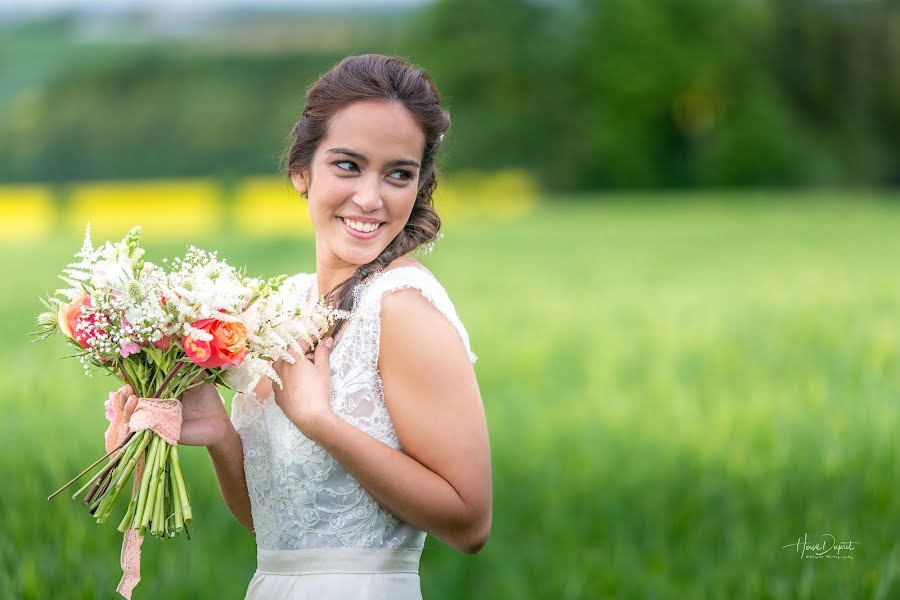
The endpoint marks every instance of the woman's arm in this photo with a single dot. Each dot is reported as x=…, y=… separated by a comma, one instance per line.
x=206, y=423
x=228, y=462
x=441, y=483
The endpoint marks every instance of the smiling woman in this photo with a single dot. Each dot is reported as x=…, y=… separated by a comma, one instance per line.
x=358, y=195
x=380, y=437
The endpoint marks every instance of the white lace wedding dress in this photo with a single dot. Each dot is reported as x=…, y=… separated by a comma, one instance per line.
x=319, y=534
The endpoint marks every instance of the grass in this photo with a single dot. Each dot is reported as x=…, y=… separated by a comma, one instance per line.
x=677, y=387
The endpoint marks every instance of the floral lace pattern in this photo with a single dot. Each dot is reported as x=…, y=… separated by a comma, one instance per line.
x=301, y=497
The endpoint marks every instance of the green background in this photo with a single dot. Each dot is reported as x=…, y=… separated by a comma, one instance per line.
x=682, y=386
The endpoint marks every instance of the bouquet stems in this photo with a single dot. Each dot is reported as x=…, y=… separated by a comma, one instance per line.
x=161, y=505
x=161, y=497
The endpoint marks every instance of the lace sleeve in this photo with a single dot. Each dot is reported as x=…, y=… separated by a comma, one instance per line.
x=428, y=286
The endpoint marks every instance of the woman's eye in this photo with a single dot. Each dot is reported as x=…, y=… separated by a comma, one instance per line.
x=405, y=175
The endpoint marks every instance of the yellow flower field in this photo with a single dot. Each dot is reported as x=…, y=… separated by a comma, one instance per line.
x=258, y=206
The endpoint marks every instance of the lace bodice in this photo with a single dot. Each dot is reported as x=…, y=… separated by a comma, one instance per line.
x=300, y=496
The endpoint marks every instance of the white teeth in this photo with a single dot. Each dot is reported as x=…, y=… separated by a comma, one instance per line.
x=362, y=227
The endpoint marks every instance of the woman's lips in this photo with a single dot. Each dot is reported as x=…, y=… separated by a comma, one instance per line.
x=360, y=235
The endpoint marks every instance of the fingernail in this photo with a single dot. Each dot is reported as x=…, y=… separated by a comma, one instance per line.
x=329, y=343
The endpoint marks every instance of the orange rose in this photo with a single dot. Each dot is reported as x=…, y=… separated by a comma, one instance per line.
x=226, y=348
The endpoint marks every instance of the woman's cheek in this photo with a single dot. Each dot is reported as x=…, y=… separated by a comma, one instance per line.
x=342, y=187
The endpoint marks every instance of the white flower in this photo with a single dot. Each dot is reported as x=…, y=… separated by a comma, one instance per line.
x=242, y=378
x=113, y=273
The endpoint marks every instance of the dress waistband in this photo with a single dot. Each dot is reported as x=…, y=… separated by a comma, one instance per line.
x=337, y=560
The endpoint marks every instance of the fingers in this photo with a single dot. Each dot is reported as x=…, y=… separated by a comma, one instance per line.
x=305, y=345
x=119, y=396
x=263, y=387
x=129, y=407
x=323, y=351
x=123, y=403
x=308, y=356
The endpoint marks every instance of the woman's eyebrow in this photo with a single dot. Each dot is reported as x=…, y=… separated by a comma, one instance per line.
x=361, y=158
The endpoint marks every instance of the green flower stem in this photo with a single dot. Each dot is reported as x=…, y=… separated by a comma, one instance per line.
x=166, y=381
x=129, y=515
x=176, y=500
x=157, y=518
x=119, y=476
x=123, y=463
x=132, y=459
x=183, y=383
x=97, y=479
x=173, y=489
x=94, y=464
x=130, y=369
x=169, y=510
x=110, y=496
x=100, y=499
x=127, y=378
x=145, y=484
x=97, y=492
x=164, y=484
x=150, y=506
x=157, y=480
x=90, y=482
x=100, y=490
x=106, y=502
x=182, y=491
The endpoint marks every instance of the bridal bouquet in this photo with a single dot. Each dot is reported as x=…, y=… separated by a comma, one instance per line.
x=163, y=331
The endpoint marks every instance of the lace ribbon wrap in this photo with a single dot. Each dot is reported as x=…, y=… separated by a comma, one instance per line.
x=163, y=417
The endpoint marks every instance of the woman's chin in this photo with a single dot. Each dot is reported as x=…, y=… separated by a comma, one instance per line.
x=355, y=257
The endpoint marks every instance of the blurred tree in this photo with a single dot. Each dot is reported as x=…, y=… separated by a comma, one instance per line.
x=488, y=59
x=164, y=115
x=839, y=65
x=673, y=95
x=586, y=93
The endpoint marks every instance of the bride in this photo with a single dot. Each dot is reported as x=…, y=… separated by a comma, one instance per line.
x=379, y=435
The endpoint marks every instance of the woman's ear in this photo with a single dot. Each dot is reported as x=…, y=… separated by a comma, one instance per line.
x=301, y=182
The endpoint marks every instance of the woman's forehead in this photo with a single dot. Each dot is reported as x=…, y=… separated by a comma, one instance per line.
x=379, y=130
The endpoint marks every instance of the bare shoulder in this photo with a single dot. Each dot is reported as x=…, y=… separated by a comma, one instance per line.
x=411, y=324
x=413, y=329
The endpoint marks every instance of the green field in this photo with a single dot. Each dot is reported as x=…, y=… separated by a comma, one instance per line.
x=676, y=387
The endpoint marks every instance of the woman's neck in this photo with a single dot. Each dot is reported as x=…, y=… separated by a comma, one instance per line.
x=329, y=277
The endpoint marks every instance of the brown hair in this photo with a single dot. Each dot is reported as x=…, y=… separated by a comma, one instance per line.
x=367, y=77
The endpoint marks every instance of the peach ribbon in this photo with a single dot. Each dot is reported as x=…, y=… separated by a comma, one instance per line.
x=163, y=417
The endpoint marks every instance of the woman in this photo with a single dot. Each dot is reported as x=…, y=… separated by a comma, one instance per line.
x=379, y=435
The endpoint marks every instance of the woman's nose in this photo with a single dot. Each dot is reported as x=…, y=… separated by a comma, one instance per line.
x=368, y=197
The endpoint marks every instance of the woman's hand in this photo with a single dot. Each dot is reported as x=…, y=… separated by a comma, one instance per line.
x=306, y=396
x=119, y=409
x=205, y=422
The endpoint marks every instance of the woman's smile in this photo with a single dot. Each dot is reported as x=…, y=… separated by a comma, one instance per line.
x=359, y=230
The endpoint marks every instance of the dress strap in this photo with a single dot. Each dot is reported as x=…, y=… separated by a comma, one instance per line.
x=368, y=298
